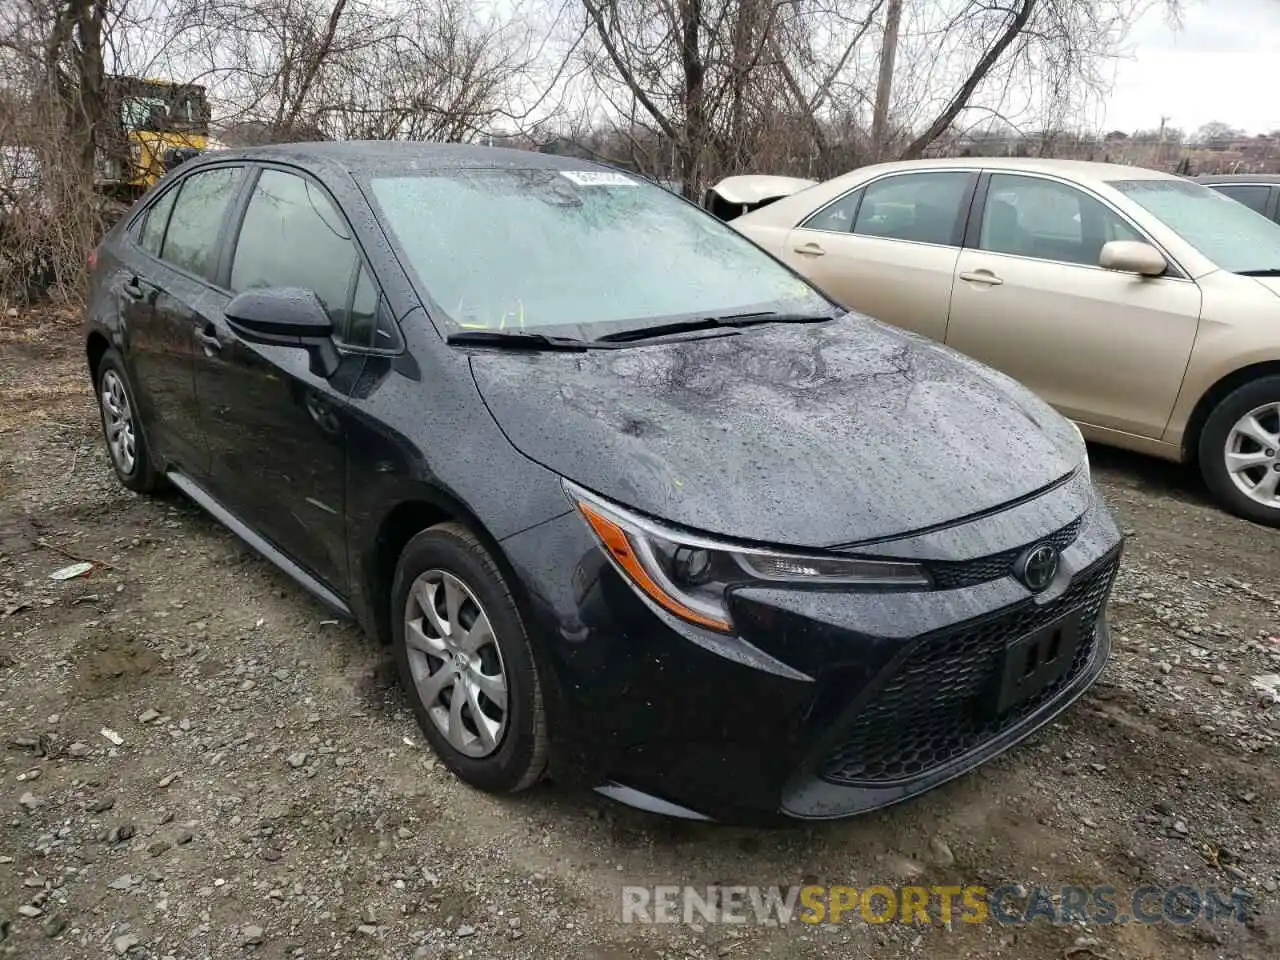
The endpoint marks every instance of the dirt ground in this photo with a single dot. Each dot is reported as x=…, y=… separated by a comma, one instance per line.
x=271, y=796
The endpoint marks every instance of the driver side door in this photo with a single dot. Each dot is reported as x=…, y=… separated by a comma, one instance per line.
x=277, y=430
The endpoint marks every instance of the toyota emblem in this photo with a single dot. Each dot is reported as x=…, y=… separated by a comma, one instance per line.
x=1038, y=566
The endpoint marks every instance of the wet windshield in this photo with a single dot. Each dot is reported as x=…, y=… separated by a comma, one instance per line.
x=592, y=251
x=1230, y=234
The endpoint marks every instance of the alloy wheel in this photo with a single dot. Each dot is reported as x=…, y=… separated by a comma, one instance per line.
x=1252, y=455
x=456, y=663
x=118, y=418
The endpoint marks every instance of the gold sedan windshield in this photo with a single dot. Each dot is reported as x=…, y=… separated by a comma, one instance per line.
x=1230, y=234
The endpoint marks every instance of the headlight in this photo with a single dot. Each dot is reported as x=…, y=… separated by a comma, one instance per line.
x=689, y=576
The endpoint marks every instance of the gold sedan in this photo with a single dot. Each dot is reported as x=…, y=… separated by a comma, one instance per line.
x=1144, y=306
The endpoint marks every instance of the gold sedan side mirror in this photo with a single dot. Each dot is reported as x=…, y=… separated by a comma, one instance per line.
x=1129, y=256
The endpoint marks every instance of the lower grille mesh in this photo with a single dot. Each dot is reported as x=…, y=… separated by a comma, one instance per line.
x=936, y=706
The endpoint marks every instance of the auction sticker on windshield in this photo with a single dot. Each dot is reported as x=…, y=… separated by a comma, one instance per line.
x=598, y=178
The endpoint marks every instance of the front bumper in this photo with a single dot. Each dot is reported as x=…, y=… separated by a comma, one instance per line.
x=925, y=719
x=827, y=704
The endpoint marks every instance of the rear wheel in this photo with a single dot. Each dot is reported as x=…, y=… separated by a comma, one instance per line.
x=1239, y=451
x=465, y=662
x=126, y=445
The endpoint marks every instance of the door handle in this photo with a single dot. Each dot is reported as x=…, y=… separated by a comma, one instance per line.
x=810, y=249
x=209, y=339
x=136, y=290
x=982, y=276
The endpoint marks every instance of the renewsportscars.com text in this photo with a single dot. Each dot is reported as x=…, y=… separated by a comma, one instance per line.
x=1009, y=905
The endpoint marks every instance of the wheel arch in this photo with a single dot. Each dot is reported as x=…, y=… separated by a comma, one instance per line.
x=96, y=346
x=1219, y=391
x=413, y=513
x=417, y=510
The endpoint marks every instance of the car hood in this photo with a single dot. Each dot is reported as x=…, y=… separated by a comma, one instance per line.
x=791, y=434
x=755, y=188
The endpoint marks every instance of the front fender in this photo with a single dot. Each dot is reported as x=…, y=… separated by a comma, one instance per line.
x=422, y=449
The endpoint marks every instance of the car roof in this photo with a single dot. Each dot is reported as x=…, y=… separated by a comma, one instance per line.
x=366, y=155
x=1085, y=171
x=1239, y=178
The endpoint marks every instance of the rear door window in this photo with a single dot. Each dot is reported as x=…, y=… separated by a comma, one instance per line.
x=920, y=207
x=156, y=220
x=191, y=241
x=837, y=216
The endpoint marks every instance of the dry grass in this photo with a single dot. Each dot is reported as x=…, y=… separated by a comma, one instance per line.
x=28, y=324
x=42, y=373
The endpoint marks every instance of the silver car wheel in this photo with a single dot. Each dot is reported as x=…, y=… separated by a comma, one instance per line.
x=456, y=663
x=1252, y=454
x=117, y=416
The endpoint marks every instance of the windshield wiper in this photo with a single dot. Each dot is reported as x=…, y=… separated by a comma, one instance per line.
x=713, y=323
x=514, y=340
x=1266, y=272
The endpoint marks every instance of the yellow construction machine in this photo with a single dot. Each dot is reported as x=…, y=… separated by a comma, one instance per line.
x=154, y=126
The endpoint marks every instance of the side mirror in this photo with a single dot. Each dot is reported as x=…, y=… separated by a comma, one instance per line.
x=1129, y=256
x=288, y=316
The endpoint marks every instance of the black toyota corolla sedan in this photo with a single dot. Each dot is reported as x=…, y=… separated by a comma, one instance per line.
x=630, y=501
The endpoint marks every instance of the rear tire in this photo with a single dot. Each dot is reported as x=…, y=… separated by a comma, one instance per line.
x=465, y=662
x=1239, y=451
x=121, y=428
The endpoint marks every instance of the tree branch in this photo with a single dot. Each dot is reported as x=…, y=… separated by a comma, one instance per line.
x=956, y=105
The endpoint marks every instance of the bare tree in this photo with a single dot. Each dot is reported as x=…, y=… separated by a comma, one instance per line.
x=720, y=79
x=1216, y=130
x=684, y=89
x=53, y=55
x=300, y=69
x=53, y=62
x=821, y=56
x=442, y=75
x=884, y=80
x=691, y=69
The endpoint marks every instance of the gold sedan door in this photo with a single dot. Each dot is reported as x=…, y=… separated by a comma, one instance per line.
x=1106, y=348
x=889, y=248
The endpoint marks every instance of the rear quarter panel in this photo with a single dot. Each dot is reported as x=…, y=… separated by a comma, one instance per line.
x=769, y=236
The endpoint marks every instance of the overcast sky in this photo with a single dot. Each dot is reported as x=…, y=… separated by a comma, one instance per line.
x=1224, y=64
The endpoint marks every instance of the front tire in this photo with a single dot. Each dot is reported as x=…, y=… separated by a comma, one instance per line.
x=126, y=445
x=465, y=662
x=1239, y=451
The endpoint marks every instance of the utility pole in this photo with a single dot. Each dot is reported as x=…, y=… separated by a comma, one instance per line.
x=1160, y=142
x=884, y=87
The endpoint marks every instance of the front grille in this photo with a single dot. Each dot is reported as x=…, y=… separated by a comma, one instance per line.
x=952, y=574
x=937, y=704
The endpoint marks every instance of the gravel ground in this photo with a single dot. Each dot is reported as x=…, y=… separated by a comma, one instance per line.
x=195, y=761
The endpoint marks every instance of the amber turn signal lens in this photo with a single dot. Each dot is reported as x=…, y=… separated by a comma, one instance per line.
x=618, y=544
